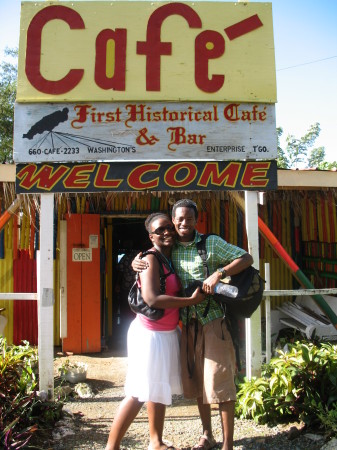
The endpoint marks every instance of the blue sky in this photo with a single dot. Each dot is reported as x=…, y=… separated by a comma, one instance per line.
x=305, y=36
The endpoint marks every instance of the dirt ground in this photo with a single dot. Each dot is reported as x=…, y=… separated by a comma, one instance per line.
x=89, y=421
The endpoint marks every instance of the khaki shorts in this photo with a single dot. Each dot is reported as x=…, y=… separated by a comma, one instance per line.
x=214, y=362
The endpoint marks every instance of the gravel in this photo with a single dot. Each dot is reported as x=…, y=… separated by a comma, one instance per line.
x=89, y=419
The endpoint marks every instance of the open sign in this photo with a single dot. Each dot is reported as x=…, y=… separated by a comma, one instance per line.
x=82, y=255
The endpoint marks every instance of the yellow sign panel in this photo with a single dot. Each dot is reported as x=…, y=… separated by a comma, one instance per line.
x=120, y=51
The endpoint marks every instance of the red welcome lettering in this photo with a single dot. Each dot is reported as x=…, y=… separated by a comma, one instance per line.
x=135, y=177
x=101, y=180
x=171, y=175
x=228, y=177
x=79, y=176
x=44, y=178
x=255, y=174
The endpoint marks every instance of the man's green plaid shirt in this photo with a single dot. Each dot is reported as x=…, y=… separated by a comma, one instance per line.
x=189, y=267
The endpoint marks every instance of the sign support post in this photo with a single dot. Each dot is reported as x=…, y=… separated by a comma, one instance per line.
x=45, y=292
x=253, y=325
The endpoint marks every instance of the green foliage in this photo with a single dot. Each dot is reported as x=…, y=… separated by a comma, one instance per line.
x=325, y=165
x=252, y=393
x=21, y=410
x=328, y=418
x=316, y=157
x=300, y=384
x=8, y=77
x=299, y=152
x=75, y=367
x=282, y=162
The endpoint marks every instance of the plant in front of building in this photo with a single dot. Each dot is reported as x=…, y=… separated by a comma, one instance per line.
x=72, y=366
x=17, y=385
x=252, y=395
x=22, y=412
x=300, y=384
x=328, y=418
x=73, y=371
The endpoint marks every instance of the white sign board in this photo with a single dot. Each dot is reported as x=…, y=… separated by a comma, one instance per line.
x=93, y=241
x=82, y=255
x=144, y=131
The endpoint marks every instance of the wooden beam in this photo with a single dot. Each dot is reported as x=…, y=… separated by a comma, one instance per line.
x=45, y=291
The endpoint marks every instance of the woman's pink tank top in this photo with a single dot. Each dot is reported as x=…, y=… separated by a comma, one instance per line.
x=170, y=319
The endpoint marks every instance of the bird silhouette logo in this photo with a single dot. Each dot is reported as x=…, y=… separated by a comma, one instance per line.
x=47, y=123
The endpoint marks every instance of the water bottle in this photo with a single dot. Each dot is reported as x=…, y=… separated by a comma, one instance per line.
x=226, y=289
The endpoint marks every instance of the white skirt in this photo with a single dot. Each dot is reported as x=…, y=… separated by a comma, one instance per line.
x=153, y=364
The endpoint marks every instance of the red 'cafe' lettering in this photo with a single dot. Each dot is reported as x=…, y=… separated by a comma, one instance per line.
x=208, y=45
x=33, y=52
x=156, y=176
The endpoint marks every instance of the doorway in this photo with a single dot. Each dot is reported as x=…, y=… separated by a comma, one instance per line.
x=129, y=237
x=98, y=313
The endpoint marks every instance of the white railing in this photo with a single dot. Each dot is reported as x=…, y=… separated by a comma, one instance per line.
x=284, y=293
x=18, y=296
x=267, y=295
x=290, y=292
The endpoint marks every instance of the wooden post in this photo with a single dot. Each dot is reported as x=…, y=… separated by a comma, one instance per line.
x=253, y=325
x=63, y=279
x=45, y=291
x=268, y=318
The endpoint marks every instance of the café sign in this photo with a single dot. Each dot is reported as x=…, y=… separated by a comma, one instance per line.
x=120, y=51
x=132, y=131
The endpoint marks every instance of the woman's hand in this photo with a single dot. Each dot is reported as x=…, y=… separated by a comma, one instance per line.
x=198, y=296
x=138, y=264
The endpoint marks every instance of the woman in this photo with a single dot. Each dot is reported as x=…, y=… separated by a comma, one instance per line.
x=153, y=347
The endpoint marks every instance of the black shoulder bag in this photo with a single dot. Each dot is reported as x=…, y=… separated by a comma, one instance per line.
x=135, y=298
x=249, y=283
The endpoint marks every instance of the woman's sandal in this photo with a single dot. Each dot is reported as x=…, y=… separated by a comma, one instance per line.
x=205, y=443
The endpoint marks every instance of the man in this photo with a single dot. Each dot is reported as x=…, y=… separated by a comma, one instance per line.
x=207, y=352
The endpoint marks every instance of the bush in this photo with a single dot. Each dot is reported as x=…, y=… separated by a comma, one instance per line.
x=21, y=410
x=300, y=384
